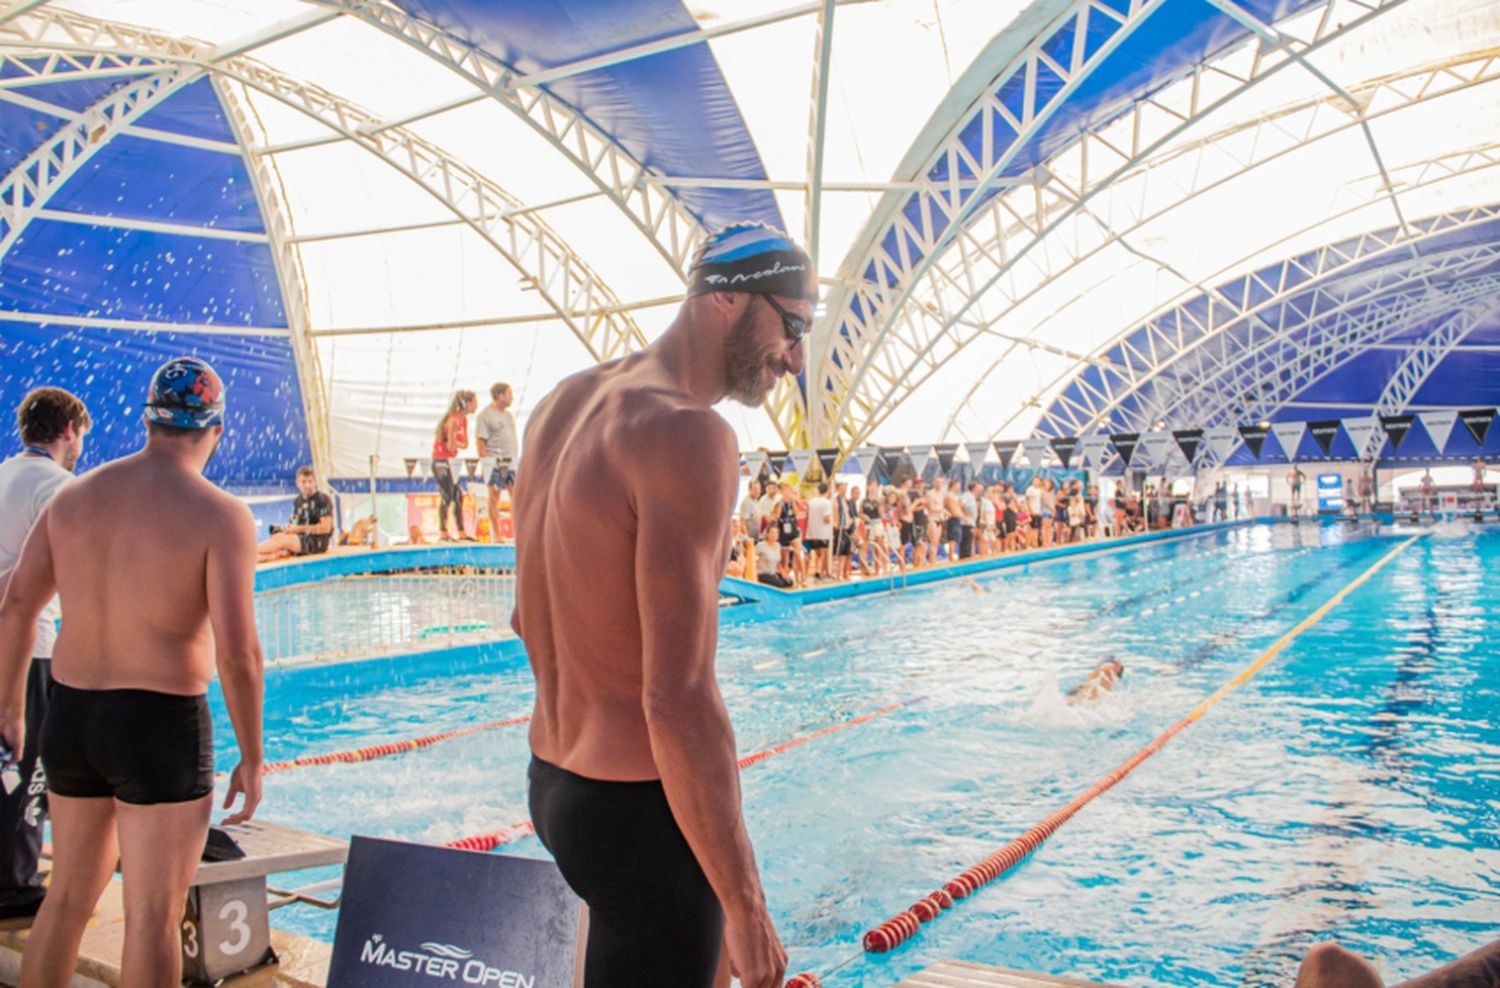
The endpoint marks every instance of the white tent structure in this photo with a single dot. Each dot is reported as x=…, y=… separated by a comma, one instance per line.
x=1056, y=218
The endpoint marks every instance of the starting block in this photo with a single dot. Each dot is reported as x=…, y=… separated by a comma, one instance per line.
x=226, y=927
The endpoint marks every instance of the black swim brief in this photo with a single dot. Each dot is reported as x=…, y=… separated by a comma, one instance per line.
x=955, y=530
x=653, y=919
x=138, y=746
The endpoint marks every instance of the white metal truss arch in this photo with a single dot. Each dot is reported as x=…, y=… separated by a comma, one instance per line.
x=1265, y=302
x=1144, y=195
x=1415, y=176
x=57, y=66
x=563, y=280
x=864, y=314
x=287, y=257
x=31, y=184
x=671, y=229
x=1419, y=364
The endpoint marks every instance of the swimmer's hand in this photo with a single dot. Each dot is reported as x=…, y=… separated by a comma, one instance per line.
x=756, y=956
x=245, y=779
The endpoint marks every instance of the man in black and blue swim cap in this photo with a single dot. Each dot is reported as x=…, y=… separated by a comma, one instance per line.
x=622, y=505
x=155, y=567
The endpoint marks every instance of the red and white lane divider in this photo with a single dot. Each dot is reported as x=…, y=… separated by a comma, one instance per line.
x=374, y=751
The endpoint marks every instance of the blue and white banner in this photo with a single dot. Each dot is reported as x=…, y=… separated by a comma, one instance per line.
x=1220, y=440
x=417, y=915
x=800, y=460
x=1156, y=448
x=1360, y=431
x=920, y=457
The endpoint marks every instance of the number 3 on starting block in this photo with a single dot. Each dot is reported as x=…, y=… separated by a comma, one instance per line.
x=225, y=930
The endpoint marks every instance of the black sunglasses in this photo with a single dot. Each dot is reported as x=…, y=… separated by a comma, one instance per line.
x=794, y=325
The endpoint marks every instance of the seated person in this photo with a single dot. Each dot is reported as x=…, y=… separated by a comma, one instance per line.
x=1103, y=679
x=415, y=536
x=362, y=532
x=770, y=569
x=311, y=528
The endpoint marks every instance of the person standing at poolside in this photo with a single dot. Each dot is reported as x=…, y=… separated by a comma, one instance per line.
x=155, y=567
x=449, y=441
x=634, y=785
x=495, y=436
x=1294, y=479
x=52, y=424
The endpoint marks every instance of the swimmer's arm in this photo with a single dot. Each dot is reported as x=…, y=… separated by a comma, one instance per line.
x=231, y=611
x=26, y=590
x=680, y=553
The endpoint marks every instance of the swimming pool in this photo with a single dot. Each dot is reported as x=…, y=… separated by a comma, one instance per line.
x=1352, y=788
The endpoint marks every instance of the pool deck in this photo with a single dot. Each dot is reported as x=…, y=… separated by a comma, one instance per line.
x=304, y=962
x=963, y=974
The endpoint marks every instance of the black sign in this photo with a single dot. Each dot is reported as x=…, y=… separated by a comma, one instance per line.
x=1325, y=432
x=890, y=458
x=1478, y=422
x=945, y=454
x=1125, y=443
x=1396, y=427
x=1188, y=440
x=413, y=914
x=1255, y=437
x=826, y=459
x=778, y=460
x=1006, y=451
x=1063, y=446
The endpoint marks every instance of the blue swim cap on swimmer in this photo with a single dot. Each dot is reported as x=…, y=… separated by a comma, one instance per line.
x=752, y=257
x=185, y=393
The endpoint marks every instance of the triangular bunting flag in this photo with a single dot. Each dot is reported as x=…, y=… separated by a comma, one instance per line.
x=1477, y=421
x=865, y=459
x=1036, y=449
x=777, y=459
x=892, y=457
x=1188, y=440
x=977, y=452
x=1220, y=440
x=920, y=457
x=1156, y=447
x=1359, y=431
x=945, y=454
x=1063, y=446
x=1324, y=431
x=1396, y=427
x=828, y=458
x=800, y=460
x=1093, y=449
x=1439, y=426
x=1006, y=451
x=1289, y=434
x=1255, y=437
x=1125, y=443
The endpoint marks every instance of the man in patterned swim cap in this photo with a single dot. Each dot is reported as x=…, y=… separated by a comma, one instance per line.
x=155, y=567
x=623, y=503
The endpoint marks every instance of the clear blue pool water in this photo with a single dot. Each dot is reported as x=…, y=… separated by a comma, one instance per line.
x=1352, y=789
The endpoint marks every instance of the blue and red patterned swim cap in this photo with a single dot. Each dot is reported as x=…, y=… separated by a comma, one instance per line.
x=185, y=393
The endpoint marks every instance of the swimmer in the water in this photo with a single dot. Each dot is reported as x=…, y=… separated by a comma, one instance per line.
x=1102, y=679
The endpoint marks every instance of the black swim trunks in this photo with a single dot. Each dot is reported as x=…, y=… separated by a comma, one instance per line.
x=138, y=746
x=653, y=919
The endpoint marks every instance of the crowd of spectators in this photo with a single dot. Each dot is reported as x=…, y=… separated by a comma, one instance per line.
x=786, y=539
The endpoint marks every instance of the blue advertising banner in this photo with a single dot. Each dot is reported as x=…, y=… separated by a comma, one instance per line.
x=413, y=914
x=1330, y=492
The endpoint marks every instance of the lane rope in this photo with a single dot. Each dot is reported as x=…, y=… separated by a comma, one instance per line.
x=907, y=923
x=525, y=828
x=374, y=751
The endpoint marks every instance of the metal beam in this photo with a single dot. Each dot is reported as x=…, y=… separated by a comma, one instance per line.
x=561, y=277
x=817, y=128
x=141, y=325
x=174, y=229
x=970, y=266
x=669, y=227
x=287, y=258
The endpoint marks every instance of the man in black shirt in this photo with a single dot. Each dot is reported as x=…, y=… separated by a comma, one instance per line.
x=311, y=528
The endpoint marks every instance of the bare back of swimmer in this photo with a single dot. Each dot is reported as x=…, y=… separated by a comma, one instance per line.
x=155, y=570
x=1102, y=679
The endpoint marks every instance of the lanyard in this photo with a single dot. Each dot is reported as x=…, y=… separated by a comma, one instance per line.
x=36, y=450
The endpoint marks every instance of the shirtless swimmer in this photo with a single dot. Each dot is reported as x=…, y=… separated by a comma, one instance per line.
x=634, y=787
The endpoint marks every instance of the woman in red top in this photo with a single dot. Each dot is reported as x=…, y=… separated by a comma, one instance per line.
x=451, y=439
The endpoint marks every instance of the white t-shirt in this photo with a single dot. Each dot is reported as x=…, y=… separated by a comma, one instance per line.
x=766, y=557
x=820, y=518
x=497, y=430
x=27, y=483
x=750, y=515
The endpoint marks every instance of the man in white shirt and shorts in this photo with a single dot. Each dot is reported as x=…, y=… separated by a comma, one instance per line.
x=495, y=435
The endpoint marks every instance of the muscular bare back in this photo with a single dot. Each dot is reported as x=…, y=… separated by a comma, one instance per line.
x=131, y=545
x=604, y=439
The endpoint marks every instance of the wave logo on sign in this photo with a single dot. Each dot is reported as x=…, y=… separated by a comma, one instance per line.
x=443, y=961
